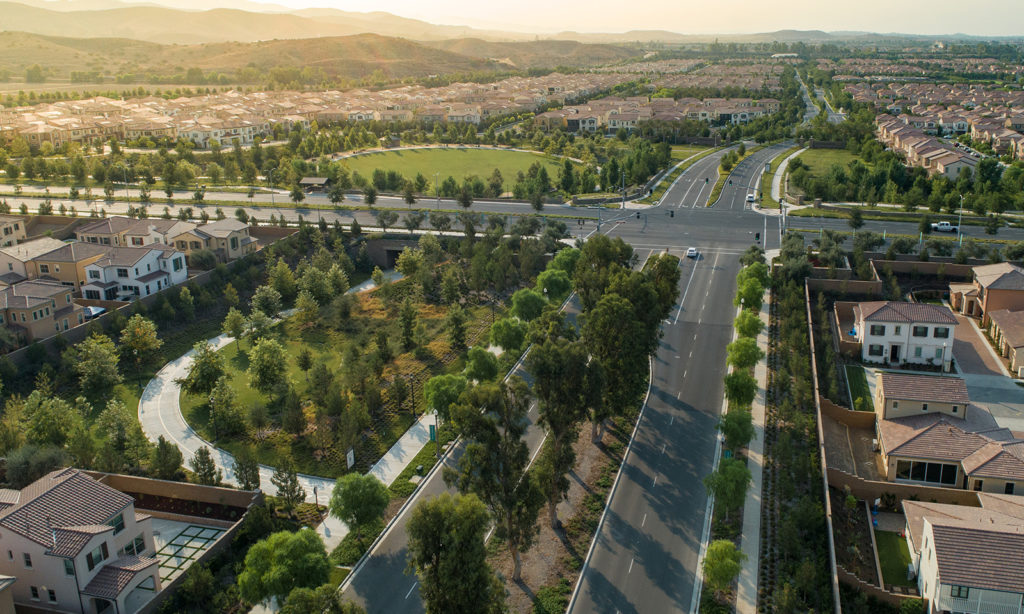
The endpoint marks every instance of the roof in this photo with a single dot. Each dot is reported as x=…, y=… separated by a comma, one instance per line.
x=74, y=252
x=6, y=581
x=1010, y=324
x=910, y=313
x=115, y=576
x=30, y=293
x=313, y=181
x=990, y=556
x=223, y=228
x=1002, y=276
x=925, y=388
x=65, y=499
x=940, y=513
x=30, y=249
x=107, y=225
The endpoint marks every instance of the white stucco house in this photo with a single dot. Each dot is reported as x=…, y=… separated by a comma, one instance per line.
x=895, y=333
x=128, y=273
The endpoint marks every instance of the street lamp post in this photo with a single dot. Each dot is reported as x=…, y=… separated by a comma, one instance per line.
x=437, y=191
x=960, y=216
x=270, y=180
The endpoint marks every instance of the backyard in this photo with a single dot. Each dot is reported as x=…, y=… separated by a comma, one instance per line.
x=457, y=162
x=859, y=390
x=894, y=555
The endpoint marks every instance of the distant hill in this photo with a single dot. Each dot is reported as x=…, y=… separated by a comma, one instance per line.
x=535, y=54
x=345, y=56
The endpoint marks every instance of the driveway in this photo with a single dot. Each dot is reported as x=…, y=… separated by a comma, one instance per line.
x=972, y=351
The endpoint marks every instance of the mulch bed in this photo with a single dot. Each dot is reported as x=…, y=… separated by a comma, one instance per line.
x=170, y=505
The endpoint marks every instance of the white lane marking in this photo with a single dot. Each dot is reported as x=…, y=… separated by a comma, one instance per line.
x=672, y=420
x=699, y=193
x=688, y=282
x=655, y=482
x=630, y=566
x=411, y=589
x=663, y=448
x=644, y=521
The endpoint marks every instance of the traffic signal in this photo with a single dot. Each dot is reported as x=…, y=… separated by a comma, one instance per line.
x=757, y=237
x=637, y=215
x=730, y=182
x=706, y=180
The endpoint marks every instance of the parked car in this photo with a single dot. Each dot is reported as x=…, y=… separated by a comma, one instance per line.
x=750, y=197
x=691, y=252
x=94, y=312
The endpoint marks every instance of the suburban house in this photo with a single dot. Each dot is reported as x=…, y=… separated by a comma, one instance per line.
x=967, y=559
x=15, y=258
x=38, y=309
x=76, y=545
x=66, y=264
x=896, y=333
x=127, y=273
x=994, y=287
x=929, y=433
x=12, y=230
x=228, y=238
x=1006, y=328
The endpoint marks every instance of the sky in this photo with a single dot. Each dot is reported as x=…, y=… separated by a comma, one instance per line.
x=980, y=17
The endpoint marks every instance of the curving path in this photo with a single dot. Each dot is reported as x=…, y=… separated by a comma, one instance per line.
x=160, y=415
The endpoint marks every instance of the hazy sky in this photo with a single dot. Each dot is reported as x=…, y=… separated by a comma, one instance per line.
x=982, y=17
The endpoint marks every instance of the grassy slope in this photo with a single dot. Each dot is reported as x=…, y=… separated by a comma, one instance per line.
x=458, y=163
x=533, y=54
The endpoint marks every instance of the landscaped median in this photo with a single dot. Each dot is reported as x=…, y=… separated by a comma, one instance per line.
x=670, y=178
x=716, y=191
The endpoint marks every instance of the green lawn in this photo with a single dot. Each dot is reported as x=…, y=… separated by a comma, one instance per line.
x=682, y=152
x=766, y=200
x=819, y=161
x=894, y=555
x=859, y=386
x=459, y=163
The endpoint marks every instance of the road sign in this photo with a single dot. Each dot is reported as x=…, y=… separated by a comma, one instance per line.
x=350, y=457
x=433, y=433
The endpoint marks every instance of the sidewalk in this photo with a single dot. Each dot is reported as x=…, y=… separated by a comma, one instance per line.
x=780, y=172
x=750, y=540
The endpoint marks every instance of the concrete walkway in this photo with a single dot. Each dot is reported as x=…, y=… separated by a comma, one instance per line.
x=780, y=172
x=750, y=540
x=160, y=414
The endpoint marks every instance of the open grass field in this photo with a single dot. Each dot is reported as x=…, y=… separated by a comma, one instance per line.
x=456, y=162
x=894, y=556
x=682, y=152
x=819, y=161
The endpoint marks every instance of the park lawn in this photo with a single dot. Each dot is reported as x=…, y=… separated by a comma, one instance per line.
x=819, y=161
x=858, y=380
x=894, y=556
x=329, y=345
x=682, y=152
x=456, y=162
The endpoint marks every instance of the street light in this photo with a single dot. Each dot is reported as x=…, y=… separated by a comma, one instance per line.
x=270, y=180
x=437, y=191
x=959, y=232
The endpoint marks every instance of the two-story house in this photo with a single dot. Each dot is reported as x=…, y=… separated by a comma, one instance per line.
x=967, y=559
x=128, y=273
x=66, y=264
x=895, y=333
x=994, y=287
x=76, y=545
x=37, y=309
x=15, y=258
x=229, y=239
x=12, y=229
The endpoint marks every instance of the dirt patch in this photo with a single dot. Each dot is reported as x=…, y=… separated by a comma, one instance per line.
x=557, y=554
x=854, y=550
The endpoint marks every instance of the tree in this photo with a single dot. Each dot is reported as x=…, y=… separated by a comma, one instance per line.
x=508, y=334
x=166, y=460
x=267, y=362
x=465, y=196
x=357, y=500
x=321, y=600
x=743, y=353
x=225, y=415
x=740, y=388
x=492, y=417
x=856, y=220
x=267, y=299
x=386, y=218
x=286, y=480
x=567, y=383
x=369, y=194
x=455, y=323
x=750, y=294
x=555, y=284
x=306, y=308
x=729, y=484
x=94, y=360
x=481, y=365
x=30, y=462
x=246, y=470
x=447, y=552
x=204, y=469
x=206, y=368
x=230, y=295
x=992, y=224
x=528, y=304
x=139, y=341
x=722, y=564
x=234, y=324
x=282, y=562
x=407, y=322
x=748, y=324
x=441, y=393
x=738, y=427
x=408, y=195
x=297, y=194
x=282, y=279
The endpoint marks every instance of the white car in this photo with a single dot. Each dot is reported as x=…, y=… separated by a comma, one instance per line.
x=750, y=197
x=92, y=312
x=691, y=252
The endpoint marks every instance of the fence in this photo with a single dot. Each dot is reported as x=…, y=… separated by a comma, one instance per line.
x=844, y=286
x=873, y=489
x=814, y=144
x=893, y=599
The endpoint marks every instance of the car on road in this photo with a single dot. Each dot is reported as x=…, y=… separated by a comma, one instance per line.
x=750, y=197
x=94, y=312
x=691, y=252
x=944, y=227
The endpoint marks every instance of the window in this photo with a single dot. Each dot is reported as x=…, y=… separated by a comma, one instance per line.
x=917, y=352
x=898, y=330
x=136, y=240
x=938, y=353
x=877, y=329
x=955, y=407
x=1009, y=488
x=234, y=242
x=895, y=404
x=94, y=274
x=924, y=407
x=92, y=294
x=28, y=560
x=118, y=523
x=97, y=556
x=940, y=332
x=875, y=350
x=123, y=273
x=978, y=484
x=69, y=567
x=136, y=546
x=920, y=331
x=921, y=471
x=35, y=593
x=44, y=268
x=959, y=592
x=177, y=263
x=51, y=595
x=67, y=299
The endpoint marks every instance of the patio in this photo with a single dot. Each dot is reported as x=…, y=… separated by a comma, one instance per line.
x=180, y=544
